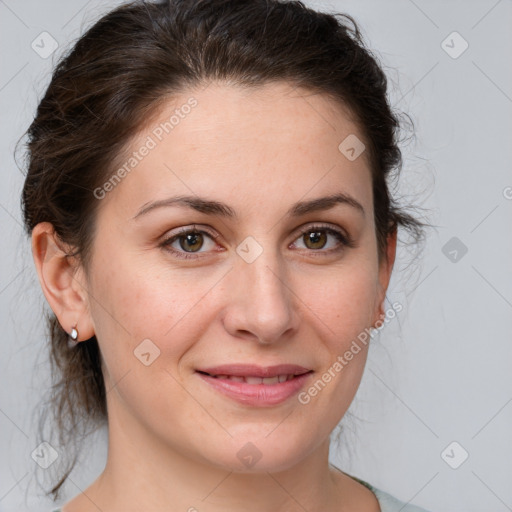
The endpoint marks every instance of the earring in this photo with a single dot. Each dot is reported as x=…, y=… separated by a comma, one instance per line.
x=73, y=337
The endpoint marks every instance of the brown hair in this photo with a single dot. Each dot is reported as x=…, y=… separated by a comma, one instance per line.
x=116, y=76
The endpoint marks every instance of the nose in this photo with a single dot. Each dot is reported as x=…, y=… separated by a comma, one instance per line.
x=261, y=305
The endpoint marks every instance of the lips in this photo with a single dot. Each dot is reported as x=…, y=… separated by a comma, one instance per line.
x=257, y=386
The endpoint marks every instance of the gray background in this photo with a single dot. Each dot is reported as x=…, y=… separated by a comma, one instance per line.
x=439, y=374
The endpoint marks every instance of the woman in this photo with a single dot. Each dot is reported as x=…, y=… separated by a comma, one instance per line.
x=213, y=231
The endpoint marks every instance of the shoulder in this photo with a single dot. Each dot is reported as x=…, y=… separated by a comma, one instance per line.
x=389, y=503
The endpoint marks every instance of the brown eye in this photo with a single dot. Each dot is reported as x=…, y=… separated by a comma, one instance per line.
x=315, y=239
x=191, y=242
x=323, y=240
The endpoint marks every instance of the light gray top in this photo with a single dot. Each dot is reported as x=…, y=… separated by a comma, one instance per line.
x=387, y=502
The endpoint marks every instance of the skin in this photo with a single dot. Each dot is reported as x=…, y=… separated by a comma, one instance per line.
x=173, y=440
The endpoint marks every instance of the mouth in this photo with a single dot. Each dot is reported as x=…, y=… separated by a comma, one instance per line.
x=254, y=380
x=256, y=385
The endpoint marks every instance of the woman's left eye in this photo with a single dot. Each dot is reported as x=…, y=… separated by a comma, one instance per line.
x=316, y=239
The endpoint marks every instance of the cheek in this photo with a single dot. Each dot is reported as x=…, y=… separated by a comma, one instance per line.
x=338, y=309
x=145, y=320
x=342, y=299
x=136, y=299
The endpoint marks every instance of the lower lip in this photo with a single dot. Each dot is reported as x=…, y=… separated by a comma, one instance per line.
x=257, y=394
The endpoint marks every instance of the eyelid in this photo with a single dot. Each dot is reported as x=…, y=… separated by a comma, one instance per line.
x=311, y=226
x=195, y=228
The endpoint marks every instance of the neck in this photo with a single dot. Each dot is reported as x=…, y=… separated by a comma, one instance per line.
x=144, y=473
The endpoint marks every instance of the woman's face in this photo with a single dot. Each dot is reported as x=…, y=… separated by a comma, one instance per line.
x=266, y=280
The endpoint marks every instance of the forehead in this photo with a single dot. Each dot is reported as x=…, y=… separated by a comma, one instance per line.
x=273, y=114
x=253, y=141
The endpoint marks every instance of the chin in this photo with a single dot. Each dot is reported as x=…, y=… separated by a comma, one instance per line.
x=257, y=454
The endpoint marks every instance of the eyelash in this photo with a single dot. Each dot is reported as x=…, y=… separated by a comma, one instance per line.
x=345, y=240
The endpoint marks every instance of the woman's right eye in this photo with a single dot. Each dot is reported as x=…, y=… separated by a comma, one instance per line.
x=188, y=242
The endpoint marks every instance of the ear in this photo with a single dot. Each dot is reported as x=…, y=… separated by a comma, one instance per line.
x=385, y=269
x=62, y=280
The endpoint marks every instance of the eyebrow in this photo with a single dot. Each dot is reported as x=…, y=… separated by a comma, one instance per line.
x=211, y=207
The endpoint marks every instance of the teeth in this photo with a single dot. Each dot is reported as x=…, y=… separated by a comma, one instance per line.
x=253, y=380
x=257, y=380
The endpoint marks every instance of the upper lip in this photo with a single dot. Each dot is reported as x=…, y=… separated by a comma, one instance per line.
x=251, y=370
